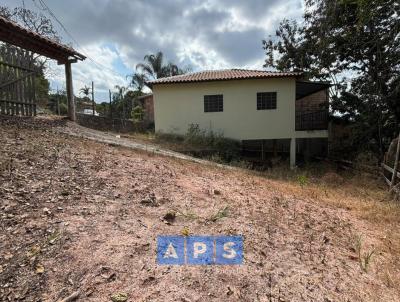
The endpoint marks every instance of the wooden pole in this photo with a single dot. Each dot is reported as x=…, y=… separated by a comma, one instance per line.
x=93, y=103
x=58, y=101
x=70, y=92
x=293, y=153
x=275, y=148
x=109, y=91
x=396, y=163
x=262, y=150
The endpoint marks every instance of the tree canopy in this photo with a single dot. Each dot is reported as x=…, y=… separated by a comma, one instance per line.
x=154, y=66
x=356, y=45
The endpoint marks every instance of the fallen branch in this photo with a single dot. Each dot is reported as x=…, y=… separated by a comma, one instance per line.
x=71, y=297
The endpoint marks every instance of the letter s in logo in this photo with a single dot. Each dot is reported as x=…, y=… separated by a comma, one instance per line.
x=229, y=250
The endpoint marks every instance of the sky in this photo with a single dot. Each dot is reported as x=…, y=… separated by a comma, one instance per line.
x=115, y=35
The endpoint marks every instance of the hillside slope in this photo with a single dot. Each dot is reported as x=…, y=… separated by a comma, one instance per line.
x=81, y=215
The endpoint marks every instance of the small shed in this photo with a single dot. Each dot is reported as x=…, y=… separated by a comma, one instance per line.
x=17, y=62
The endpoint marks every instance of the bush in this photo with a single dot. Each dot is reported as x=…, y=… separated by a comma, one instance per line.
x=137, y=114
x=224, y=149
x=63, y=109
x=195, y=136
x=169, y=137
x=205, y=144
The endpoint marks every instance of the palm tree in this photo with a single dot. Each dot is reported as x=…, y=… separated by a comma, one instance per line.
x=138, y=81
x=155, y=68
x=120, y=96
x=82, y=103
x=85, y=90
x=121, y=91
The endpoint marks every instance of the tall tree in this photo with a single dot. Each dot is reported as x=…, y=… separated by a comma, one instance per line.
x=38, y=23
x=85, y=90
x=154, y=67
x=356, y=42
x=33, y=21
x=138, y=81
x=120, y=100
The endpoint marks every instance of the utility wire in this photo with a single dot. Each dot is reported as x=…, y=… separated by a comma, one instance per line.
x=44, y=7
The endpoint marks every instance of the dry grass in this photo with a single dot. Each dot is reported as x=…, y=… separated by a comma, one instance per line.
x=307, y=236
x=364, y=196
x=163, y=141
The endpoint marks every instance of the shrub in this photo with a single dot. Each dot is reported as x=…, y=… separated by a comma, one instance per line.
x=137, y=114
x=194, y=135
x=303, y=180
x=63, y=109
x=223, y=148
x=169, y=137
x=366, y=159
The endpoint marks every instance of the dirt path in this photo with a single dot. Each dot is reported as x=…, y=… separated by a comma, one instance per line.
x=82, y=215
x=76, y=130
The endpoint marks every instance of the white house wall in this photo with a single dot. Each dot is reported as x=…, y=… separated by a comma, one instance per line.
x=176, y=106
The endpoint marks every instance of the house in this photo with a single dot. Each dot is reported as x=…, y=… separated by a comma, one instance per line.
x=271, y=109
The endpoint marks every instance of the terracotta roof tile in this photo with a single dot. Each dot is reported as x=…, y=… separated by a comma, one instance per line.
x=20, y=29
x=221, y=75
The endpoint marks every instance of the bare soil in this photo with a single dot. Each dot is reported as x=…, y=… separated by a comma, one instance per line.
x=75, y=216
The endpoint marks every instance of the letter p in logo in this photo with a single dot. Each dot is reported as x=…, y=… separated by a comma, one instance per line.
x=200, y=250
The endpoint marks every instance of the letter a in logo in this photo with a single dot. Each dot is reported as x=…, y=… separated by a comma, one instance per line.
x=170, y=253
x=170, y=250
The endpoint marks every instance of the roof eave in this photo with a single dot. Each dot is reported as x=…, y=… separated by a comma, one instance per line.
x=152, y=83
x=13, y=33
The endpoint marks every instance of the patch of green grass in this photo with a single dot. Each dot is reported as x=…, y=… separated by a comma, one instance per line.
x=365, y=258
x=220, y=214
x=302, y=180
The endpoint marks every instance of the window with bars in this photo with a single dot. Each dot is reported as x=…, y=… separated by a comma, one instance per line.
x=266, y=100
x=214, y=103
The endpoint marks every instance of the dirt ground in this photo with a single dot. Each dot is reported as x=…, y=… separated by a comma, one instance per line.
x=77, y=215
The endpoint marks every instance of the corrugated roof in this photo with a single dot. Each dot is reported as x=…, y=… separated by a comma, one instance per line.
x=16, y=34
x=223, y=75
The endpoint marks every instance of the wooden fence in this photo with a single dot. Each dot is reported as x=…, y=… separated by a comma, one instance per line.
x=17, y=81
x=394, y=175
x=104, y=123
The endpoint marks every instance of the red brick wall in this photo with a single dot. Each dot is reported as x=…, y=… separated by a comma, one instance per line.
x=148, y=104
x=313, y=101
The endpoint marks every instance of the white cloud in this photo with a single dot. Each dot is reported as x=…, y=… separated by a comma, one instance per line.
x=204, y=34
x=101, y=71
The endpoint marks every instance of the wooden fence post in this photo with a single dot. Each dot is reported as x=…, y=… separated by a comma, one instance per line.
x=70, y=91
x=396, y=164
x=111, y=115
x=93, y=103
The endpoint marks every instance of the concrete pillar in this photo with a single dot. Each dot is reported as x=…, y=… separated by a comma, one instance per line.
x=70, y=91
x=292, y=153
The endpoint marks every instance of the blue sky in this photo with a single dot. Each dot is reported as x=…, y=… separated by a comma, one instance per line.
x=117, y=34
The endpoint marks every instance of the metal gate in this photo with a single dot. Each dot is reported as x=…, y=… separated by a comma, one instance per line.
x=17, y=81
